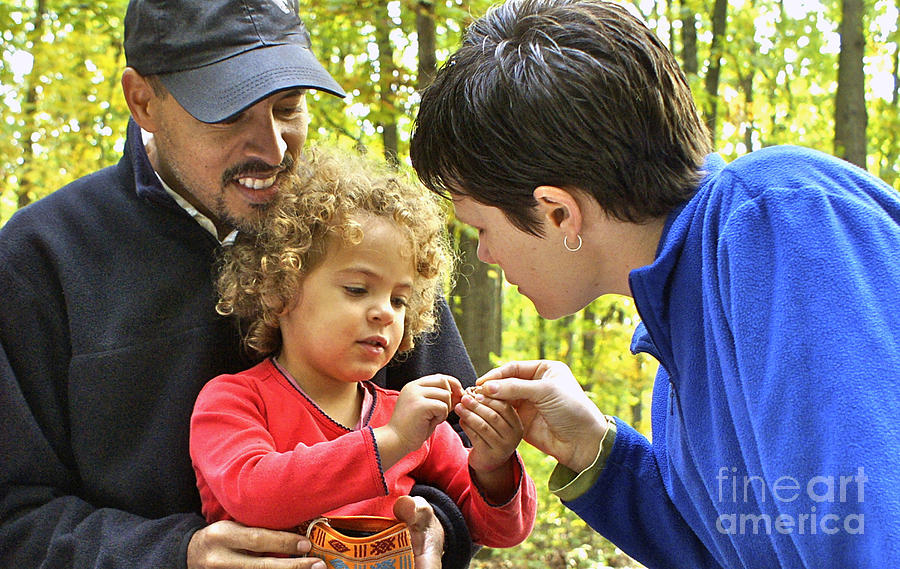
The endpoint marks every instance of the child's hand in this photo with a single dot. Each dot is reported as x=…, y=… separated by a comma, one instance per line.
x=494, y=428
x=423, y=404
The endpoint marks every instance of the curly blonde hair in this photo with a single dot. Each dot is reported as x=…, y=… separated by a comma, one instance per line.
x=261, y=273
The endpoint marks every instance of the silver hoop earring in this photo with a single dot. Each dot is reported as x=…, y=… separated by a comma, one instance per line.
x=571, y=249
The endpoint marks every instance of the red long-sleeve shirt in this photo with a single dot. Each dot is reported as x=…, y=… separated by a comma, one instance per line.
x=265, y=455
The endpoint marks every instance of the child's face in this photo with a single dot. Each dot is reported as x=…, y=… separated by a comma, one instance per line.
x=348, y=320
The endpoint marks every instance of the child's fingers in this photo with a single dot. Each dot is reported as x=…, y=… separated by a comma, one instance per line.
x=438, y=397
x=445, y=382
x=489, y=426
x=483, y=437
x=499, y=414
x=489, y=449
x=449, y=385
x=474, y=436
x=456, y=391
x=507, y=412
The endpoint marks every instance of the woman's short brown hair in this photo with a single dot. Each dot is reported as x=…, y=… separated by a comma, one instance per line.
x=261, y=273
x=578, y=94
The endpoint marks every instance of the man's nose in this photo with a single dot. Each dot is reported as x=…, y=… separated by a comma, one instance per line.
x=266, y=141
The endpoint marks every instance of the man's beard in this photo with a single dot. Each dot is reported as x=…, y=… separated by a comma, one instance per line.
x=255, y=222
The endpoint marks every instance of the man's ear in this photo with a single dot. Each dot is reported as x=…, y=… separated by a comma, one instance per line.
x=141, y=99
x=559, y=209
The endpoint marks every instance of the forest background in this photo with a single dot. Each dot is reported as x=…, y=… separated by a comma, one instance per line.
x=765, y=72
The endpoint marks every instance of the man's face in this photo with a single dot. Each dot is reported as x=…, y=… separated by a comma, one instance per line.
x=231, y=171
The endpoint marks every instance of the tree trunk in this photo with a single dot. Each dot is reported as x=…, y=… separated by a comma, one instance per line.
x=566, y=328
x=887, y=171
x=476, y=304
x=749, y=120
x=776, y=128
x=670, y=17
x=477, y=296
x=895, y=93
x=541, y=339
x=719, y=23
x=30, y=111
x=637, y=412
x=388, y=120
x=588, y=333
x=689, y=59
x=425, y=31
x=850, y=117
x=589, y=330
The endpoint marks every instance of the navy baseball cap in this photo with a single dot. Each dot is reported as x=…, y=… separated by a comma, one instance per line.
x=219, y=57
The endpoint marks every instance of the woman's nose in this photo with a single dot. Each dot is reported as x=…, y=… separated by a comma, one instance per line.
x=484, y=254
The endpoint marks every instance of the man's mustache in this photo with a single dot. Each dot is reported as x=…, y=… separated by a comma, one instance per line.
x=258, y=167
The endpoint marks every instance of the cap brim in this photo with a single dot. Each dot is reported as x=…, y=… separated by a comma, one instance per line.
x=215, y=92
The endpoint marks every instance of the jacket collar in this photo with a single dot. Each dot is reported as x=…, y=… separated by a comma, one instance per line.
x=651, y=284
x=146, y=182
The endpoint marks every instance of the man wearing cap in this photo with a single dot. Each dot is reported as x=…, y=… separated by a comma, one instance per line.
x=108, y=328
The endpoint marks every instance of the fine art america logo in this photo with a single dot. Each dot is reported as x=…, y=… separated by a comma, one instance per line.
x=811, y=510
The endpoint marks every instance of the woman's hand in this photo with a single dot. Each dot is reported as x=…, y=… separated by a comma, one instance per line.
x=557, y=417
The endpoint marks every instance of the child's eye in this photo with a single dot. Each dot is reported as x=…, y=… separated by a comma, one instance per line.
x=399, y=302
x=355, y=290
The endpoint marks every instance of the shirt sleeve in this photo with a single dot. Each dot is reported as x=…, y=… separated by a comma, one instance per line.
x=629, y=506
x=502, y=525
x=568, y=485
x=241, y=466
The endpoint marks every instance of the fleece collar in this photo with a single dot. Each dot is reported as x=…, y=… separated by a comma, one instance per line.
x=650, y=284
x=146, y=182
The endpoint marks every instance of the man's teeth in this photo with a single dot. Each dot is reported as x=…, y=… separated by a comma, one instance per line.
x=256, y=183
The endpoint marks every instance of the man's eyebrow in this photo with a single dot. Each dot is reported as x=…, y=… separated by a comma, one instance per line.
x=293, y=92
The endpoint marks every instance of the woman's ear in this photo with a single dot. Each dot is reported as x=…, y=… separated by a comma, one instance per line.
x=140, y=98
x=559, y=209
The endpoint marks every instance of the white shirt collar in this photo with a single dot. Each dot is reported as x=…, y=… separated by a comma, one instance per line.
x=204, y=221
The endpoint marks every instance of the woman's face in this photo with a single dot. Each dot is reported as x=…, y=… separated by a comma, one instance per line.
x=539, y=267
x=558, y=281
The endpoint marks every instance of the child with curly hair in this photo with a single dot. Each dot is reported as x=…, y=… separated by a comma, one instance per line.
x=343, y=276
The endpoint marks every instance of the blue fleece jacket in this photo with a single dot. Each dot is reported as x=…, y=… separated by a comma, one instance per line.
x=773, y=307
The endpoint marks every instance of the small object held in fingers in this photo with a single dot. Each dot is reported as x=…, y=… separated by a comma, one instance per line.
x=473, y=390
